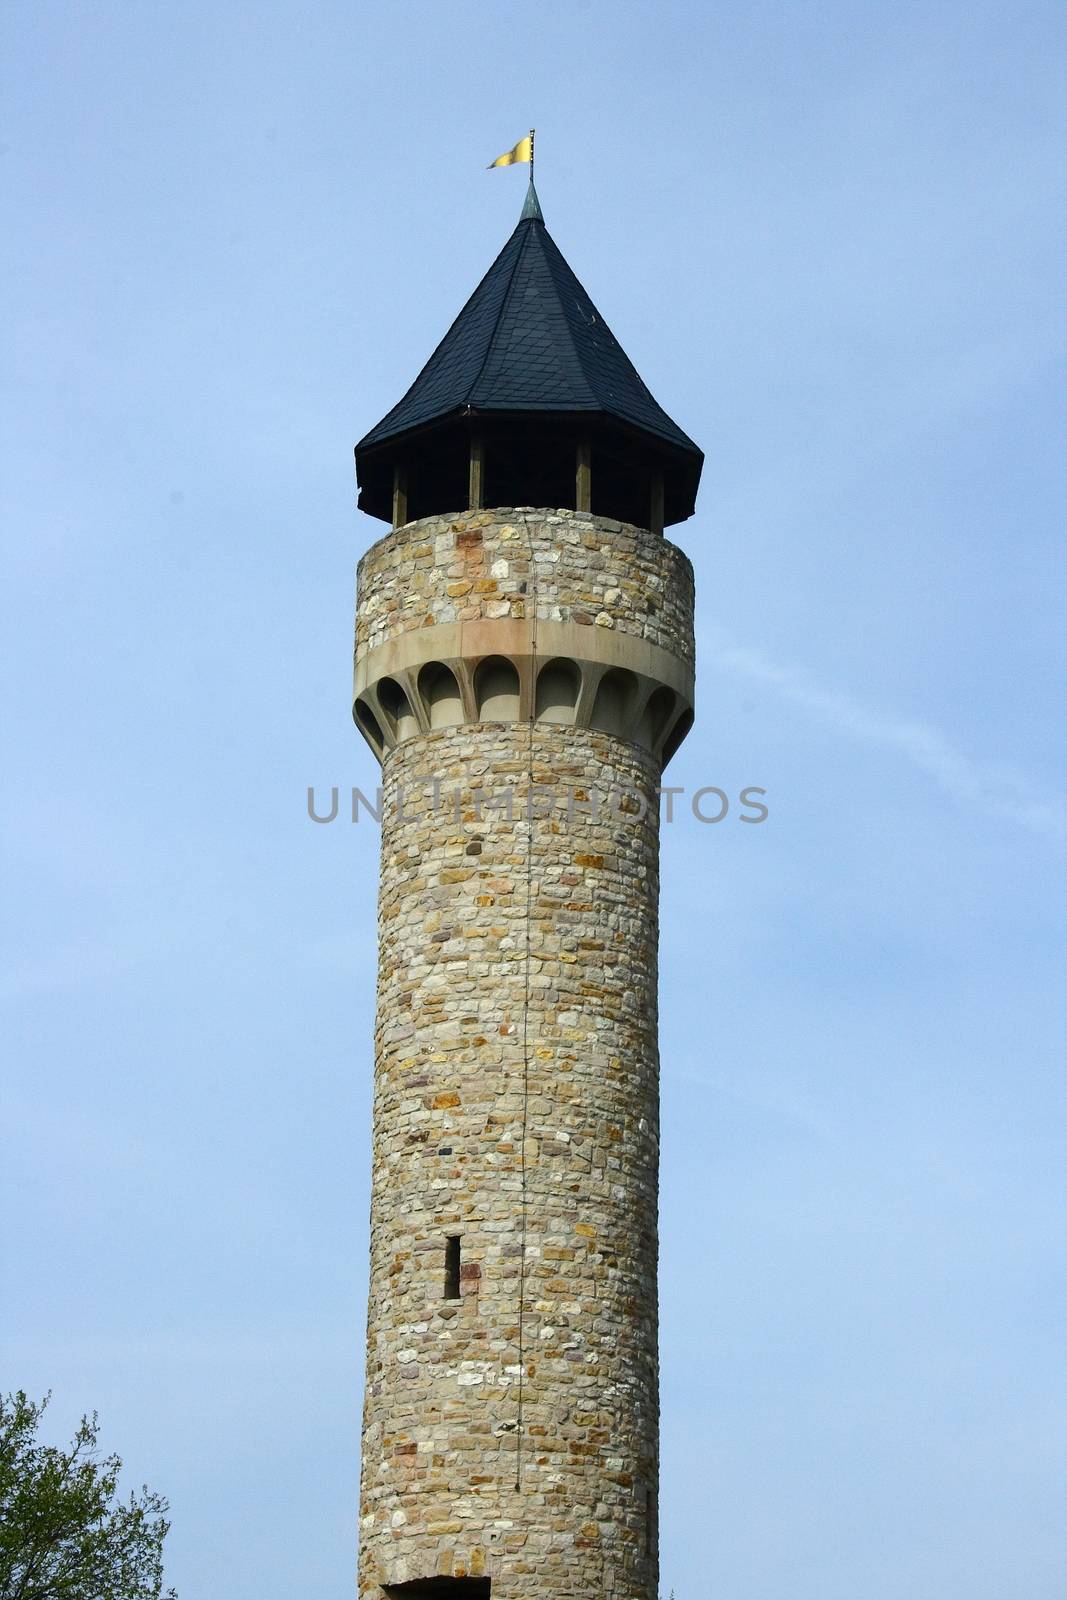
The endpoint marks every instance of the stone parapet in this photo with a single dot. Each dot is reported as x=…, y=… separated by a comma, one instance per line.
x=554, y=616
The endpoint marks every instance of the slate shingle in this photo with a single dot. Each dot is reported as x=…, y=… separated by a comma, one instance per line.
x=529, y=339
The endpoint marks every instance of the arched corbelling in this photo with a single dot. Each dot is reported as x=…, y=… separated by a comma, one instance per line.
x=369, y=726
x=396, y=709
x=558, y=683
x=656, y=717
x=440, y=695
x=496, y=689
x=677, y=734
x=448, y=690
x=613, y=707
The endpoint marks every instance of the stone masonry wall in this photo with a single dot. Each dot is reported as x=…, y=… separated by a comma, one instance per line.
x=511, y=1432
x=477, y=564
x=474, y=909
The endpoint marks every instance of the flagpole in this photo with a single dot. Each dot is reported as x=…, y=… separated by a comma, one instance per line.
x=532, y=132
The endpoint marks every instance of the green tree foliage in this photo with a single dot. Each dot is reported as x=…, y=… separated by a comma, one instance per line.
x=64, y=1533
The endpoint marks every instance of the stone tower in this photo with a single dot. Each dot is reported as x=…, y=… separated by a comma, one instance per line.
x=524, y=669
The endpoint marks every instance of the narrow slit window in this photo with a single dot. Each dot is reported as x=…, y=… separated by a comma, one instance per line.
x=452, y=1268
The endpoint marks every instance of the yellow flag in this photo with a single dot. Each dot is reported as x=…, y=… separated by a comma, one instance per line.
x=523, y=151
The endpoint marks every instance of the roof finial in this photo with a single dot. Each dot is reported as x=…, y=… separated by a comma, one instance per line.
x=523, y=151
x=531, y=211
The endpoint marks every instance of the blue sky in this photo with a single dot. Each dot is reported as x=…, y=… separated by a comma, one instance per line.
x=832, y=240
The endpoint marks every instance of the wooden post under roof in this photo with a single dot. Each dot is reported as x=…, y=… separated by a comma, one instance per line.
x=583, y=477
x=656, y=507
x=400, y=496
x=476, y=492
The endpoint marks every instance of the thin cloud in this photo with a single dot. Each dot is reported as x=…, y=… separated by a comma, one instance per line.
x=992, y=786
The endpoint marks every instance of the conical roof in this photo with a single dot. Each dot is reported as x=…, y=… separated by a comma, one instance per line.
x=529, y=339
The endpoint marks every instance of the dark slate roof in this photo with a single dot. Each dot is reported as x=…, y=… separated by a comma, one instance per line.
x=529, y=339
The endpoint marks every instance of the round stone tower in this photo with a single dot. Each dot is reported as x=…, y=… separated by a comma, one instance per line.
x=524, y=669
